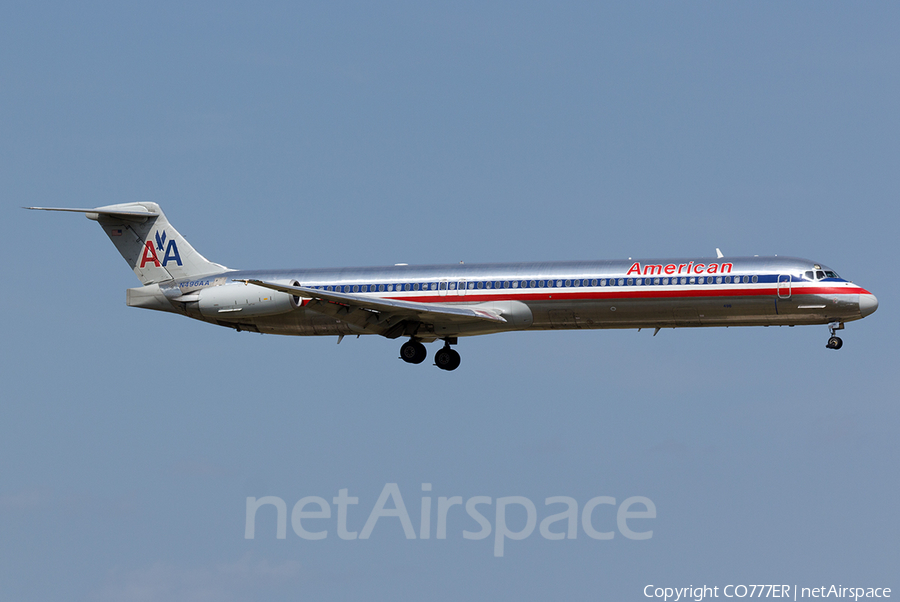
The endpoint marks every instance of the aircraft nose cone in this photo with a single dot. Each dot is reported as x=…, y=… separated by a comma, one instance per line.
x=867, y=304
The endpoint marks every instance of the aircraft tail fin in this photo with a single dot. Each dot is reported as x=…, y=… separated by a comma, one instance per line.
x=148, y=242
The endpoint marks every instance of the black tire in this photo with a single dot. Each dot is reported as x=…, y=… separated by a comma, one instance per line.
x=454, y=364
x=413, y=352
x=446, y=359
x=443, y=358
x=835, y=343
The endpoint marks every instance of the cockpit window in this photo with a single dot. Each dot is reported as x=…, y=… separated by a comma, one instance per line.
x=820, y=274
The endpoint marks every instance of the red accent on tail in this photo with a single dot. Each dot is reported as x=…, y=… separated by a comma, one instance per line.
x=149, y=255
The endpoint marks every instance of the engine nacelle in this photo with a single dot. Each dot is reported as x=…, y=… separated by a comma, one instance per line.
x=238, y=301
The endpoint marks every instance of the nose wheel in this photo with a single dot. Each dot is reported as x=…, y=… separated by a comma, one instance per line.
x=835, y=342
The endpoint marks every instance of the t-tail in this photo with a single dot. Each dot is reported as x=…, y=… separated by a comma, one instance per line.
x=152, y=247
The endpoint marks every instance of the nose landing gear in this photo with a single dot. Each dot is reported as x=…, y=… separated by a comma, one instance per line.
x=835, y=342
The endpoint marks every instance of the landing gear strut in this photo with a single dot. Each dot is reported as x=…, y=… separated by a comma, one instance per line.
x=446, y=358
x=835, y=342
x=413, y=352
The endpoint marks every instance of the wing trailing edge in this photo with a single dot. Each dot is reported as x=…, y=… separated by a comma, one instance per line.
x=384, y=316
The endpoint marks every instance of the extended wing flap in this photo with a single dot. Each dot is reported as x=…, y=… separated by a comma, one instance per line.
x=367, y=311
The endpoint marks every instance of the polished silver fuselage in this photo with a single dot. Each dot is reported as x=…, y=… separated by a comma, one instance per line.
x=655, y=293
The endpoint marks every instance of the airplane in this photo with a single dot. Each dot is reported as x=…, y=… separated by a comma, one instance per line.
x=426, y=303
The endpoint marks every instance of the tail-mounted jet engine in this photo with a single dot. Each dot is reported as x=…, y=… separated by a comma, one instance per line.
x=233, y=301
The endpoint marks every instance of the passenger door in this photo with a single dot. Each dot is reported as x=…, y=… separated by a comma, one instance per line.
x=784, y=286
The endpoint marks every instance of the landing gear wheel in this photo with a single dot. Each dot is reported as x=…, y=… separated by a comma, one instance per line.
x=446, y=359
x=834, y=343
x=456, y=360
x=413, y=352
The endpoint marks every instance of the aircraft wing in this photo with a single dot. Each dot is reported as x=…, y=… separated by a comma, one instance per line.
x=384, y=316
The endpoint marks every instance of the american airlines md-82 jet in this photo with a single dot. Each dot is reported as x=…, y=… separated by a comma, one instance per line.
x=430, y=302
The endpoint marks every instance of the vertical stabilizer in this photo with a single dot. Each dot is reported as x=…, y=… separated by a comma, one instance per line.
x=148, y=242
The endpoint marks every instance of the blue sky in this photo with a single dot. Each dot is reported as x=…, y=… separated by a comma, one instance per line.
x=299, y=135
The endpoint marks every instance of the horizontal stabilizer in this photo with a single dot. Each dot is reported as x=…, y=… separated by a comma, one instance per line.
x=135, y=211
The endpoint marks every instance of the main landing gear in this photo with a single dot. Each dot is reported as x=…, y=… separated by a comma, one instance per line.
x=835, y=342
x=413, y=352
x=446, y=358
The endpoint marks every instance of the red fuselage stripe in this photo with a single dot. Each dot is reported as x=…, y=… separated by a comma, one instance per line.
x=519, y=295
